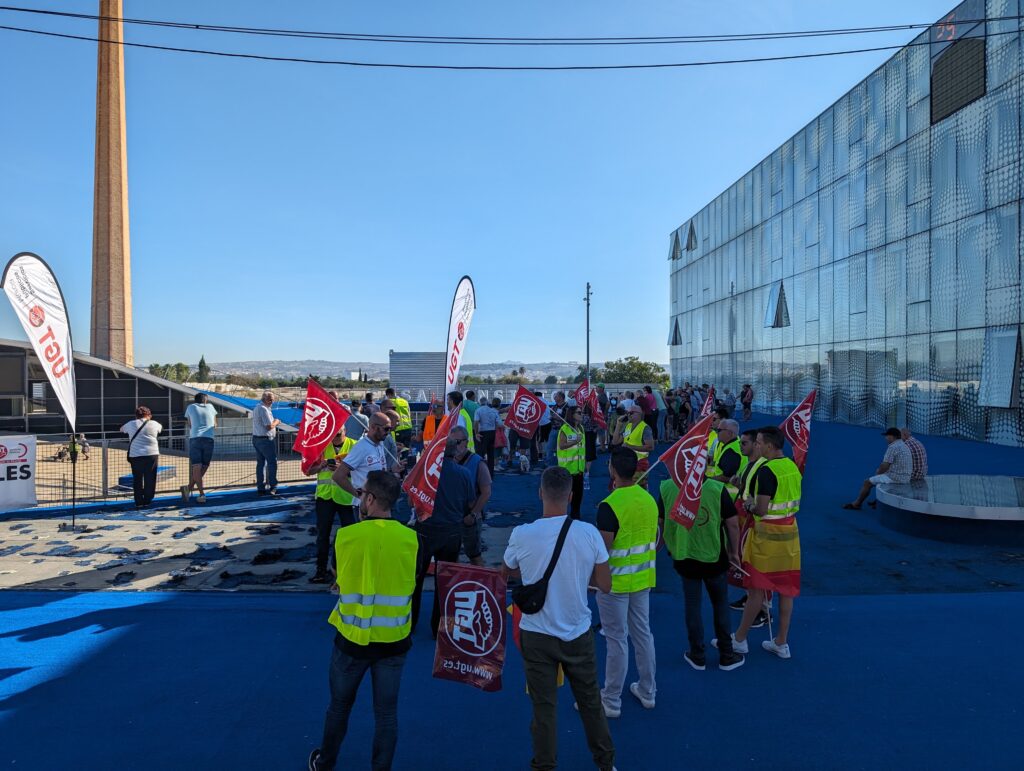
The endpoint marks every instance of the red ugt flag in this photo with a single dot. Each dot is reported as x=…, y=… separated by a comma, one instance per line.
x=322, y=419
x=421, y=483
x=709, y=403
x=797, y=428
x=585, y=396
x=686, y=462
x=525, y=413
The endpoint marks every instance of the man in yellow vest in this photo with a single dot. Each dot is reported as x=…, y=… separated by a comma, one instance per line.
x=771, y=552
x=330, y=501
x=403, y=434
x=462, y=417
x=628, y=522
x=373, y=619
x=633, y=434
x=726, y=460
x=571, y=454
x=701, y=557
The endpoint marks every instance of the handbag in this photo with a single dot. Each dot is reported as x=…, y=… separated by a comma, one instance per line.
x=529, y=598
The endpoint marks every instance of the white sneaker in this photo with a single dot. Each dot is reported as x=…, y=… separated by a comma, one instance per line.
x=739, y=647
x=782, y=651
x=634, y=688
x=608, y=711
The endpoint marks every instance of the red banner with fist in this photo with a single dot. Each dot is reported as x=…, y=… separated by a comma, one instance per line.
x=797, y=428
x=525, y=413
x=686, y=461
x=322, y=418
x=471, y=638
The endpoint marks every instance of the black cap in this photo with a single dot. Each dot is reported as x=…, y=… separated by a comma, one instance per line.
x=892, y=432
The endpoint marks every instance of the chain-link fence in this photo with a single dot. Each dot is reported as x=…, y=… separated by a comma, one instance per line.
x=102, y=471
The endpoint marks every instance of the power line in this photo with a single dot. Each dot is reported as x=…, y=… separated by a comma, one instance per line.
x=479, y=68
x=503, y=41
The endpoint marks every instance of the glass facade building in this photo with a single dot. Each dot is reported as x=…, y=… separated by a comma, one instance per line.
x=876, y=255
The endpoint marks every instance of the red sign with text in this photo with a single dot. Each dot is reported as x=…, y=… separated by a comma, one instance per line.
x=421, y=483
x=686, y=461
x=525, y=413
x=471, y=638
x=797, y=428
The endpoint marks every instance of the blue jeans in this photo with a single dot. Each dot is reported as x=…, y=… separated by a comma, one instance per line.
x=346, y=675
x=550, y=451
x=266, y=455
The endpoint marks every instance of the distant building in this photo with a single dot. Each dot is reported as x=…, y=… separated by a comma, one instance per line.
x=417, y=376
x=876, y=255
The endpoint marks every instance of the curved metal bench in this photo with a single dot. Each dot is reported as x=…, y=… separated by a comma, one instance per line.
x=964, y=496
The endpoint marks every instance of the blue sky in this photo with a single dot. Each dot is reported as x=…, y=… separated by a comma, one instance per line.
x=285, y=211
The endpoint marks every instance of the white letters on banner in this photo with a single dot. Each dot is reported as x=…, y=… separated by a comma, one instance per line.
x=458, y=329
x=17, y=472
x=36, y=297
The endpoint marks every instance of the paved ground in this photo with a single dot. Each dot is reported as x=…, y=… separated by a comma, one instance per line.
x=894, y=641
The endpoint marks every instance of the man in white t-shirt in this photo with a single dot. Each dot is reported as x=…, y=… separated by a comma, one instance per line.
x=365, y=456
x=560, y=634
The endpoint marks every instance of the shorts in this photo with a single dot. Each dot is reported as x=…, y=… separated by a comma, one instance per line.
x=881, y=479
x=471, y=539
x=200, y=451
x=591, y=446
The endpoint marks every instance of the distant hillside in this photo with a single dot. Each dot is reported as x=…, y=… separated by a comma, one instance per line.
x=292, y=369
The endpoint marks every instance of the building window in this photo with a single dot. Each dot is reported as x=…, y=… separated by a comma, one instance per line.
x=37, y=397
x=12, y=407
x=1000, y=363
x=958, y=59
x=777, y=313
x=674, y=338
x=691, y=239
x=677, y=252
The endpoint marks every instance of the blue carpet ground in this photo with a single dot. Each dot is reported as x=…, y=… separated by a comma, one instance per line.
x=902, y=646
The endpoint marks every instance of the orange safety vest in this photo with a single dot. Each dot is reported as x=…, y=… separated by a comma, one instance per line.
x=430, y=428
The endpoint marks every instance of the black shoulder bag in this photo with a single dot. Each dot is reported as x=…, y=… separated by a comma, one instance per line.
x=529, y=598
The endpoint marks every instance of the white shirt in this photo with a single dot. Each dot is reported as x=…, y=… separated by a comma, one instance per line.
x=486, y=418
x=145, y=443
x=627, y=403
x=566, y=614
x=364, y=457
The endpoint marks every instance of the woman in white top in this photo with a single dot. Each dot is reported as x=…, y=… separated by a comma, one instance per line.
x=143, y=454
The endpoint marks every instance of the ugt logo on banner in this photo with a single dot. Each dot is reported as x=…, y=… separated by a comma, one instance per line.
x=421, y=483
x=471, y=638
x=525, y=413
x=686, y=461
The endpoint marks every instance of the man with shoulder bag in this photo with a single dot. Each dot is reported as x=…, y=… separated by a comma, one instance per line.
x=557, y=558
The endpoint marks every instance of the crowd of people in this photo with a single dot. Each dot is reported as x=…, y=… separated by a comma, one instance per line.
x=745, y=533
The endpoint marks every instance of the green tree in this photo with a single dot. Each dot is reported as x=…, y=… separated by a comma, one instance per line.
x=181, y=372
x=596, y=374
x=522, y=371
x=632, y=370
x=550, y=380
x=203, y=371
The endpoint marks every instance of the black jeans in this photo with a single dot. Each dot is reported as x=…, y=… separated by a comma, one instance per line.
x=718, y=591
x=485, y=449
x=345, y=676
x=325, y=513
x=541, y=656
x=517, y=443
x=577, y=496
x=443, y=544
x=144, y=478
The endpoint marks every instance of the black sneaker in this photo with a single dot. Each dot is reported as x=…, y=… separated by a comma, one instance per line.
x=759, y=620
x=320, y=577
x=697, y=661
x=730, y=661
x=739, y=604
x=314, y=757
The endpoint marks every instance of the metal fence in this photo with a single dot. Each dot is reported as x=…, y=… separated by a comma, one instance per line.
x=102, y=471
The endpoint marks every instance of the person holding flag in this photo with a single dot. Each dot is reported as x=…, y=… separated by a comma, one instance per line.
x=633, y=434
x=570, y=453
x=701, y=556
x=726, y=459
x=330, y=501
x=745, y=484
x=771, y=553
x=366, y=455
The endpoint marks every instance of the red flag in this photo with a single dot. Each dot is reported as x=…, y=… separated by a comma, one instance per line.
x=797, y=428
x=471, y=637
x=709, y=403
x=686, y=462
x=322, y=419
x=585, y=396
x=525, y=413
x=421, y=482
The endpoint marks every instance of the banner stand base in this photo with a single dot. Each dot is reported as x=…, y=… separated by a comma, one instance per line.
x=64, y=527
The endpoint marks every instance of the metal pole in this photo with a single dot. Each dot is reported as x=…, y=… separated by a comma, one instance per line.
x=586, y=300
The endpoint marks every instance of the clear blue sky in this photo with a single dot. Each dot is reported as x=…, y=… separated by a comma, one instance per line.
x=285, y=211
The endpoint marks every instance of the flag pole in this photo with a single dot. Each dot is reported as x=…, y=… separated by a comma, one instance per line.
x=586, y=300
